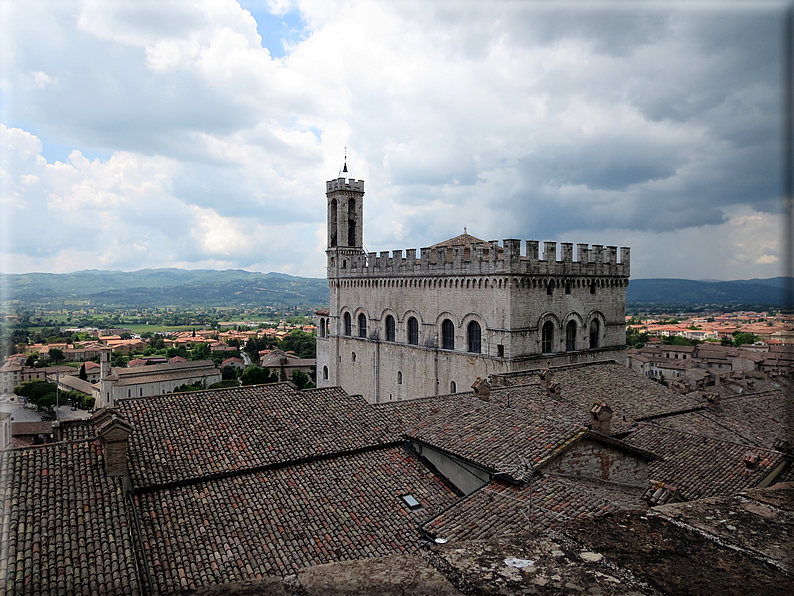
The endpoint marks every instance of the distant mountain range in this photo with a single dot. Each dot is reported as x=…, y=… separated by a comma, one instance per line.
x=234, y=287
x=719, y=293
x=167, y=287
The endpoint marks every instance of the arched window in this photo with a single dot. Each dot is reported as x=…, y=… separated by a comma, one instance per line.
x=474, y=336
x=348, y=325
x=399, y=378
x=594, y=332
x=447, y=335
x=593, y=288
x=362, y=325
x=413, y=331
x=322, y=327
x=570, y=336
x=328, y=328
x=550, y=288
x=325, y=373
x=452, y=387
x=547, y=338
x=333, y=223
x=351, y=222
x=353, y=356
x=389, y=328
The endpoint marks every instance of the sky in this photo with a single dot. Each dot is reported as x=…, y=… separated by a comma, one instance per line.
x=199, y=133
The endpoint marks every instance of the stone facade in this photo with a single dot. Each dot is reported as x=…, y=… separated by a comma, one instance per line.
x=403, y=325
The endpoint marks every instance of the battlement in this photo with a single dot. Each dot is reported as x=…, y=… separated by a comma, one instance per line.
x=490, y=258
x=342, y=184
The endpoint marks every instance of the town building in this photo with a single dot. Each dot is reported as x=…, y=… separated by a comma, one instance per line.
x=402, y=325
x=147, y=381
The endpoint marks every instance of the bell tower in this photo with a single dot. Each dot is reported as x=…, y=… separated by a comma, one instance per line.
x=345, y=198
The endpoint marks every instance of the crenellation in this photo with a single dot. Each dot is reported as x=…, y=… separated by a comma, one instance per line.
x=342, y=184
x=493, y=252
x=550, y=252
x=532, y=251
x=582, y=253
x=512, y=252
x=495, y=258
x=597, y=254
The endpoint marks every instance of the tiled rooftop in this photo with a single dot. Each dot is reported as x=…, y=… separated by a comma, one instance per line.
x=502, y=508
x=74, y=430
x=490, y=433
x=189, y=436
x=754, y=419
x=628, y=393
x=64, y=527
x=699, y=466
x=278, y=521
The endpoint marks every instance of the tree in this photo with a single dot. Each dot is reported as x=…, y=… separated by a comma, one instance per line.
x=31, y=360
x=57, y=355
x=252, y=346
x=82, y=374
x=256, y=375
x=228, y=373
x=740, y=338
x=302, y=343
x=301, y=380
x=200, y=352
x=224, y=384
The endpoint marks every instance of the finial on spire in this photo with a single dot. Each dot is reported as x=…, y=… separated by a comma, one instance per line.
x=465, y=231
x=344, y=172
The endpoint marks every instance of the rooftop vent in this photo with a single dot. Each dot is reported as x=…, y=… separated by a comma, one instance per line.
x=751, y=461
x=660, y=493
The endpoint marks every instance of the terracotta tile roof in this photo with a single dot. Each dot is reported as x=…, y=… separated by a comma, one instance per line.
x=64, y=528
x=534, y=426
x=74, y=430
x=500, y=507
x=627, y=392
x=189, y=436
x=752, y=419
x=461, y=240
x=699, y=466
x=278, y=521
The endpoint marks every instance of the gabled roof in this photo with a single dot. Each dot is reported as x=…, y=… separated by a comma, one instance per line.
x=462, y=240
x=189, y=436
x=699, y=466
x=500, y=507
x=278, y=521
x=488, y=434
x=628, y=393
x=67, y=519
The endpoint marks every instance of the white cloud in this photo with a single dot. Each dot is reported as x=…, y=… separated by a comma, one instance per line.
x=514, y=119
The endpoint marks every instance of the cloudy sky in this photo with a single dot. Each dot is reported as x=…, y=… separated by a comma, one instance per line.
x=200, y=133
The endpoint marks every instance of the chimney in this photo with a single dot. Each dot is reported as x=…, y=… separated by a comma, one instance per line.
x=482, y=388
x=602, y=415
x=554, y=389
x=113, y=432
x=714, y=403
x=545, y=377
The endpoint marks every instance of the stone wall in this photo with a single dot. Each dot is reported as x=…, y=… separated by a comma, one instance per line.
x=593, y=459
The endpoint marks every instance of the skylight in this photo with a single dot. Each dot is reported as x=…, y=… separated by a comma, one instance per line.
x=412, y=503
